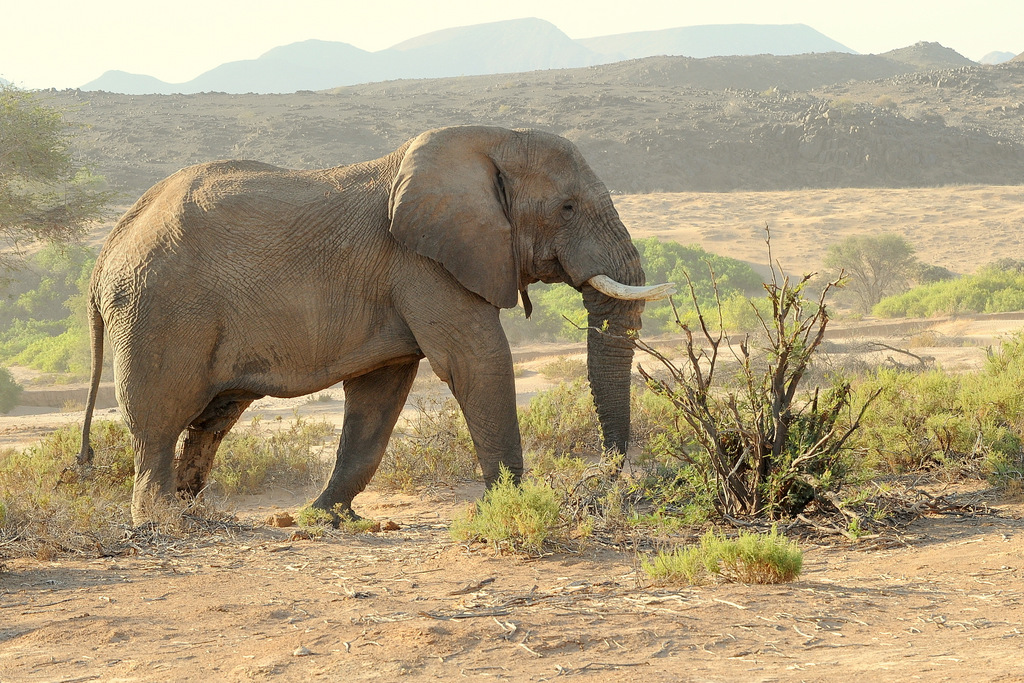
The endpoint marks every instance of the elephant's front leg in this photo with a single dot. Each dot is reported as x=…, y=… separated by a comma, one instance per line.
x=473, y=357
x=373, y=403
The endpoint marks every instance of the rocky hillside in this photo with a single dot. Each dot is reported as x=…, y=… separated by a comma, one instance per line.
x=914, y=118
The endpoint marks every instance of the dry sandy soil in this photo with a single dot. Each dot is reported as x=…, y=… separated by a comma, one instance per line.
x=946, y=604
x=941, y=600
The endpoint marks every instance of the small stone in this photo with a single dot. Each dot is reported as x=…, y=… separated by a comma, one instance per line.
x=280, y=519
x=390, y=526
x=302, y=651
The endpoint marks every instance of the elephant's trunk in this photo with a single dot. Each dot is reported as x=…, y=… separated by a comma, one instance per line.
x=610, y=351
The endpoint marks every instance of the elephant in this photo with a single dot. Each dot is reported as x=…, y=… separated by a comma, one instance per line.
x=233, y=280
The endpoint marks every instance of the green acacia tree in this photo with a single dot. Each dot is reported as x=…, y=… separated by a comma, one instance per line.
x=875, y=266
x=45, y=194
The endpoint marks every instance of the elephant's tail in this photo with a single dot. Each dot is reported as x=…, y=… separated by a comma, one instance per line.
x=96, y=343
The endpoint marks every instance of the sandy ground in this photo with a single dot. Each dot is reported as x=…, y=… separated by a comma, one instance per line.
x=940, y=601
x=946, y=604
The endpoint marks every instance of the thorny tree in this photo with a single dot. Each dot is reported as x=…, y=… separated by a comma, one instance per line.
x=769, y=447
x=44, y=194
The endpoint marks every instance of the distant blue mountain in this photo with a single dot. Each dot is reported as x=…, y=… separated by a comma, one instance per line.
x=500, y=47
x=996, y=57
x=716, y=40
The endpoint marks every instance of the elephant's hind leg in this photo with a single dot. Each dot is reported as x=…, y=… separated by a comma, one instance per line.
x=202, y=437
x=373, y=403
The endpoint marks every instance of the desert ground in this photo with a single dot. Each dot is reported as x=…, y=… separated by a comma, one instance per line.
x=938, y=600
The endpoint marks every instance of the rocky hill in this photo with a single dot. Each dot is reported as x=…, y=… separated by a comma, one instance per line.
x=911, y=118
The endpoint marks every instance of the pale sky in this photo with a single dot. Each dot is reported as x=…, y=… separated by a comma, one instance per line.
x=67, y=43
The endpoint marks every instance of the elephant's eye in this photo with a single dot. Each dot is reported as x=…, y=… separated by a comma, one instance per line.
x=568, y=210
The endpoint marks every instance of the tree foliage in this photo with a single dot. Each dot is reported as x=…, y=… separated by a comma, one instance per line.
x=876, y=266
x=42, y=312
x=44, y=193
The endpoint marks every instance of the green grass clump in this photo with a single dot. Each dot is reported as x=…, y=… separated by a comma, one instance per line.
x=518, y=519
x=748, y=558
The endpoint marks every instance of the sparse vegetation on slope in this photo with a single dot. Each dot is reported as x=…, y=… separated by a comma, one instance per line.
x=657, y=124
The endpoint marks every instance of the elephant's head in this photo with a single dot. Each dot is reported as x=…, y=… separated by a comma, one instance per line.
x=502, y=209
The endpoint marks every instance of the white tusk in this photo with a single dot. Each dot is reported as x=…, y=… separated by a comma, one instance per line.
x=617, y=290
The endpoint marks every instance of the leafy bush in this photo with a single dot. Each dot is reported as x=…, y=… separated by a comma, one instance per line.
x=749, y=558
x=561, y=420
x=49, y=509
x=256, y=458
x=991, y=290
x=518, y=519
x=564, y=368
x=42, y=314
x=965, y=422
x=10, y=390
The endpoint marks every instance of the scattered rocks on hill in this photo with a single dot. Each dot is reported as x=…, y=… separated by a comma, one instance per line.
x=659, y=124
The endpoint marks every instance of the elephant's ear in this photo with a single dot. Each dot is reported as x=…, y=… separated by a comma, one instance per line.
x=448, y=203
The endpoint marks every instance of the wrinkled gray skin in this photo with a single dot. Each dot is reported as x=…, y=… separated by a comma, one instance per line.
x=234, y=280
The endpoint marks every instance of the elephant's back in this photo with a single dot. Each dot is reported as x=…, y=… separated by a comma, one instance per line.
x=227, y=206
x=227, y=225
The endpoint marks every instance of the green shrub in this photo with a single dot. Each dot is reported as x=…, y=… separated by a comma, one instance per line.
x=518, y=519
x=561, y=420
x=961, y=422
x=10, y=391
x=749, y=558
x=48, y=508
x=558, y=311
x=42, y=315
x=991, y=290
x=565, y=369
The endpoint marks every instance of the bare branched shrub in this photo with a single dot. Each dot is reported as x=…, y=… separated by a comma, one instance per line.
x=433, y=448
x=769, y=447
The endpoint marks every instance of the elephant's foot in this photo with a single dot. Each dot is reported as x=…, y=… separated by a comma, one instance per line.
x=341, y=514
